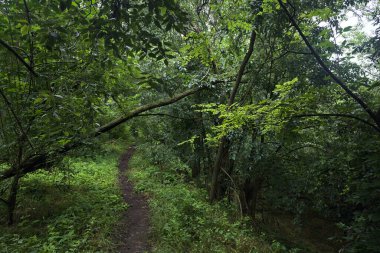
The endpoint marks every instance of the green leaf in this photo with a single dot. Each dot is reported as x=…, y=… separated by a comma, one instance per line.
x=327, y=44
x=24, y=30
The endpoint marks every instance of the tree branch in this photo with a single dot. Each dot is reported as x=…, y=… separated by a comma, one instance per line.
x=240, y=74
x=144, y=108
x=8, y=103
x=31, y=44
x=38, y=161
x=337, y=115
x=4, y=201
x=166, y=115
x=4, y=44
x=327, y=70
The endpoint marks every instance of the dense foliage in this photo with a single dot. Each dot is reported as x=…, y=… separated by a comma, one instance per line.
x=283, y=121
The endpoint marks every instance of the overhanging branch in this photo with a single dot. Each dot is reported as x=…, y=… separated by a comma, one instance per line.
x=44, y=160
x=327, y=69
x=145, y=108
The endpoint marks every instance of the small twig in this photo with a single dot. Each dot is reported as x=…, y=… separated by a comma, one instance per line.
x=118, y=104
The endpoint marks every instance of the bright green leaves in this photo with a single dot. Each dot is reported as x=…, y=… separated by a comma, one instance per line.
x=269, y=116
x=269, y=6
x=283, y=90
x=197, y=48
x=190, y=141
x=234, y=118
x=239, y=25
x=24, y=30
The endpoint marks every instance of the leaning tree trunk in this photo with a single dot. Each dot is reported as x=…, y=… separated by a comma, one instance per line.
x=223, y=144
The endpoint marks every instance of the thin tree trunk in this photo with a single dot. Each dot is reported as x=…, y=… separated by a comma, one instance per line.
x=196, y=167
x=205, y=154
x=12, y=199
x=252, y=204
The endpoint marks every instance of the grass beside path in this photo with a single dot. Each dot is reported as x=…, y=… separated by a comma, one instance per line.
x=183, y=220
x=73, y=210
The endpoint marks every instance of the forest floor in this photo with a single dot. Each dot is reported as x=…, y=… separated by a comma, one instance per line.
x=134, y=228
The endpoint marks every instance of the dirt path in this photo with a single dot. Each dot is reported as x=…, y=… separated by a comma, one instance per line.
x=133, y=229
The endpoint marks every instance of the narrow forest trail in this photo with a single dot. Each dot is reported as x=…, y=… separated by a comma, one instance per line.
x=133, y=229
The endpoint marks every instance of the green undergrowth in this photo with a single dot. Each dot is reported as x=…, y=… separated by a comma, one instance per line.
x=183, y=220
x=70, y=210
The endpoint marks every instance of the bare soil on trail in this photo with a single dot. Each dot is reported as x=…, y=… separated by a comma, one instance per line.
x=133, y=230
